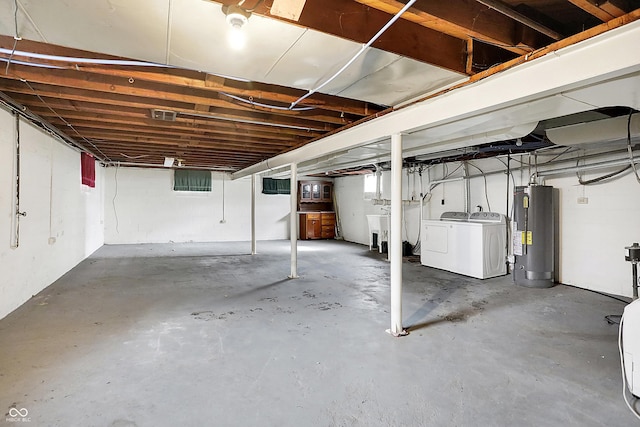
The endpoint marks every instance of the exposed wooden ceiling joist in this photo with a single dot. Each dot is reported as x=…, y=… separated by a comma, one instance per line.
x=463, y=19
x=358, y=22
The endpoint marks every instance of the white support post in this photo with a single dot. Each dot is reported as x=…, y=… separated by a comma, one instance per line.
x=294, y=221
x=253, y=214
x=395, y=238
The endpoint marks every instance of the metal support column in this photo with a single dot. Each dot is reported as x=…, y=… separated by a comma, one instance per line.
x=253, y=214
x=293, y=221
x=395, y=238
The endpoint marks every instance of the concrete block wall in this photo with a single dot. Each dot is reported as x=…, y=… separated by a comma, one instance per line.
x=64, y=221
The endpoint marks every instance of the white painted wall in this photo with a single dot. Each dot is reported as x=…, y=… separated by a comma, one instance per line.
x=141, y=207
x=64, y=218
x=592, y=237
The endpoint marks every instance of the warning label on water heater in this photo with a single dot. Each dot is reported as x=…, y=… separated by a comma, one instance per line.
x=518, y=237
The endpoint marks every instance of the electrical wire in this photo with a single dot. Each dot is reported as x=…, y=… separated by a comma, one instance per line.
x=104, y=156
x=633, y=163
x=601, y=178
x=513, y=180
x=624, y=374
x=259, y=104
x=113, y=201
x=486, y=192
x=357, y=55
x=596, y=292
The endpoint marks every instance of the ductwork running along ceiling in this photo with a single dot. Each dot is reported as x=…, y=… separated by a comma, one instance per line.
x=135, y=82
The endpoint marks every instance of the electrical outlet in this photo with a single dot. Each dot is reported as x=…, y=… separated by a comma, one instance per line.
x=583, y=200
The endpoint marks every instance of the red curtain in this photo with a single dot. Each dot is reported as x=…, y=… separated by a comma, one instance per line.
x=88, y=168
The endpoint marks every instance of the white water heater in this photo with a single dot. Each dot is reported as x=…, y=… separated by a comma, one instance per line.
x=630, y=331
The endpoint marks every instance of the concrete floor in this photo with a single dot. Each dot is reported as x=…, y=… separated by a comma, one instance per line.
x=203, y=335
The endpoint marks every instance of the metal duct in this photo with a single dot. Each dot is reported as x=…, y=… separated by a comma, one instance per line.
x=599, y=131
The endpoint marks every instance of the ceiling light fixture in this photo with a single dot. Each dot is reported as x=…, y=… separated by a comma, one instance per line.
x=236, y=17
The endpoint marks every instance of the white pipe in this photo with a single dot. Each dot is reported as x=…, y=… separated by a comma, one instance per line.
x=253, y=214
x=293, y=222
x=582, y=168
x=357, y=55
x=15, y=186
x=395, y=237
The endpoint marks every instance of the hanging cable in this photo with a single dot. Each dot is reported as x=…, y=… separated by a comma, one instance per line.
x=633, y=163
x=357, y=55
x=259, y=104
x=69, y=125
x=113, y=201
x=486, y=193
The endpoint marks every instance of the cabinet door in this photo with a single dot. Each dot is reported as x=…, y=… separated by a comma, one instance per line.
x=314, y=229
x=305, y=191
x=326, y=192
x=315, y=191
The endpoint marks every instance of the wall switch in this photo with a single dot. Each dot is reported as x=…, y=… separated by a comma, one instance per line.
x=52, y=240
x=583, y=200
x=442, y=202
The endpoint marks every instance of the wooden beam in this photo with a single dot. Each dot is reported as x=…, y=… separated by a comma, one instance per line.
x=120, y=86
x=201, y=126
x=353, y=21
x=590, y=7
x=613, y=8
x=194, y=79
x=461, y=19
x=118, y=101
x=260, y=145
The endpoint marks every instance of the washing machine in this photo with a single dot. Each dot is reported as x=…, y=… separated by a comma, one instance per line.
x=474, y=245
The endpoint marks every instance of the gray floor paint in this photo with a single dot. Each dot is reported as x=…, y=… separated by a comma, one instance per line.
x=206, y=335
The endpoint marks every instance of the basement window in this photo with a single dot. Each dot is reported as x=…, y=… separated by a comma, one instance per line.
x=191, y=180
x=276, y=186
x=370, y=186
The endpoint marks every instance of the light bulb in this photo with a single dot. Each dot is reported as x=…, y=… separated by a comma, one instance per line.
x=237, y=38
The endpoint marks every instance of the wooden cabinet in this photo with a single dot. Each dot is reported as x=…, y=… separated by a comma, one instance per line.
x=315, y=192
x=317, y=225
x=328, y=225
x=315, y=206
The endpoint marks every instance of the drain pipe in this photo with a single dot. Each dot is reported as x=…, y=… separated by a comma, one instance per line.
x=467, y=188
x=506, y=214
x=15, y=218
x=253, y=214
x=395, y=237
x=293, y=221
